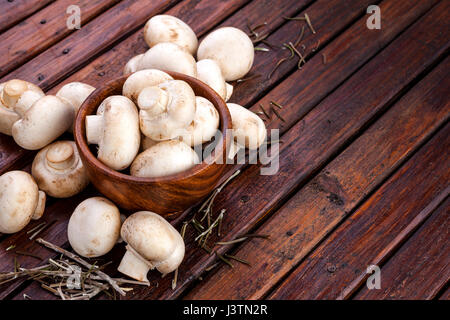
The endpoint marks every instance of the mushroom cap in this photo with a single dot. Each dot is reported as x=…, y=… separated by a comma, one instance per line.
x=19, y=196
x=165, y=28
x=14, y=88
x=171, y=57
x=75, y=93
x=231, y=48
x=209, y=72
x=151, y=236
x=120, y=137
x=139, y=80
x=94, y=227
x=46, y=120
x=166, y=110
x=205, y=124
x=133, y=64
x=58, y=170
x=248, y=129
x=163, y=159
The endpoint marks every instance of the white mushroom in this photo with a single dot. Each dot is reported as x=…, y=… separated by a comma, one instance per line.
x=231, y=48
x=20, y=201
x=209, y=72
x=229, y=91
x=22, y=95
x=13, y=90
x=133, y=64
x=45, y=121
x=58, y=170
x=116, y=131
x=7, y=116
x=205, y=124
x=139, y=80
x=169, y=57
x=165, y=28
x=152, y=243
x=248, y=129
x=94, y=227
x=166, y=110
x=163, y=159
x=75, y=93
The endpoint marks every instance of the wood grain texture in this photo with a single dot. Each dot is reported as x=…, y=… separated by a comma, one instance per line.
x=11, y=12
x=338, y=266
x=52, y=65
x=420, y=268
x=311, y=142
x=334, y=192
x=43, y=29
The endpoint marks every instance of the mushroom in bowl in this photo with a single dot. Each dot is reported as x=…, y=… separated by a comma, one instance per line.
x=167, y=195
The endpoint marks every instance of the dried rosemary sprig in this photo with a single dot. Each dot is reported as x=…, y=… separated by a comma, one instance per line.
x=301, y=58
x=300, y=37
x=262, y=49
x=281, y=61
x=264, y=111
x=10, y=247
x=76, y=258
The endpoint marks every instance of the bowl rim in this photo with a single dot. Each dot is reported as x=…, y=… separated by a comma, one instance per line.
x=220, y=150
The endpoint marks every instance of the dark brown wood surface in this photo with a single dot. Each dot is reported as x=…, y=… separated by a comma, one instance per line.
x=362, y=117
x=334, y=192
x=338, y=267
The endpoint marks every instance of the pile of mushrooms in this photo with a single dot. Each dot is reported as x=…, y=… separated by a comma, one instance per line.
x=35, y=121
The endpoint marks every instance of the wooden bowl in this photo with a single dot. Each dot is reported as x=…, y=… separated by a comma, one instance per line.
x=169, y=195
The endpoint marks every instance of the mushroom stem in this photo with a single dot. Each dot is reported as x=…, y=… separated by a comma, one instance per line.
x=94, y=127
x=135, y=266
x=39, y=211
x=60, y=156
x=154, y=100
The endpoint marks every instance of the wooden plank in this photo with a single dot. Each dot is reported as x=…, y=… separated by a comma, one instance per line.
x=338, y=266
x=420, y=269
x=11, y=12
x=312, y=141
x=326, y=200
x=195, y=257
x=121, y=20
x=42, y=30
